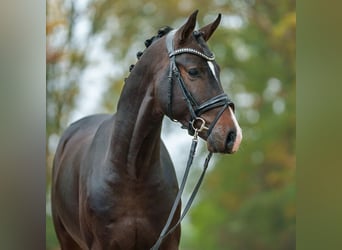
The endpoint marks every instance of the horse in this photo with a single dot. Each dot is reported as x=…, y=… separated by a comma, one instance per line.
x=113, y=181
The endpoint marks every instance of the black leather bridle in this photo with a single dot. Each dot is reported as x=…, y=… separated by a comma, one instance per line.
x=195, y=109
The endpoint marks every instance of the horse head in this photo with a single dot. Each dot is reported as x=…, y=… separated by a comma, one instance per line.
x=188, y=87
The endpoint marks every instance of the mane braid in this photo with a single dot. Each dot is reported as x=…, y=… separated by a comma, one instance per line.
x=161, y=32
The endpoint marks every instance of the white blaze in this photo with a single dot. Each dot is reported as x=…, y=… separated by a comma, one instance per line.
x=238, y=132
x=236, y=124
x=212, y=68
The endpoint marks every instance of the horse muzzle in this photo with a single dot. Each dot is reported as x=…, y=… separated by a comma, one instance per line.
x=226, y=135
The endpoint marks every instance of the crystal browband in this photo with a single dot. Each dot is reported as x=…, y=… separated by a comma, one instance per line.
x=191, y=51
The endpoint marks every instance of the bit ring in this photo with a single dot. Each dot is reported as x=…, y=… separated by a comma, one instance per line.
x=201, y=127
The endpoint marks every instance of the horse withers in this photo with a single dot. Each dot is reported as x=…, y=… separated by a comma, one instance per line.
x=113, y=182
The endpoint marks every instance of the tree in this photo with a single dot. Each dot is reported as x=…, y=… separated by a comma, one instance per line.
x=248, y=200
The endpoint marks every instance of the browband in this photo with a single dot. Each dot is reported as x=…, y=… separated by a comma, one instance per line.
x=172, y=52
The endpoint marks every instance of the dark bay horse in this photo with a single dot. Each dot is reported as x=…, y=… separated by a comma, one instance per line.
x=113, y=180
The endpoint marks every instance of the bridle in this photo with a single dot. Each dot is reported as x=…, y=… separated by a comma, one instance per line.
x=195, y=109
x=196, y=124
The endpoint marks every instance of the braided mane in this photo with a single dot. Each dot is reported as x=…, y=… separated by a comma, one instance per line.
x=161, y=32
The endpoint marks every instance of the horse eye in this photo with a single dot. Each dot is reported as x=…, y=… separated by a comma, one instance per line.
x=193, y=72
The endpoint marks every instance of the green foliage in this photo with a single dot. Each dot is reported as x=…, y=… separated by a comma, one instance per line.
x=51, y=239
x=248, y=199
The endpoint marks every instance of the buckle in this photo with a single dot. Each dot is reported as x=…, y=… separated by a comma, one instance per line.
x=197, y=125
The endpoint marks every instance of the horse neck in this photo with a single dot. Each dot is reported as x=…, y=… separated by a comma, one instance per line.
x=136, y=137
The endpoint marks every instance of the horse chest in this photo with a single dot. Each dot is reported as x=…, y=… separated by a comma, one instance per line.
x=129, y=213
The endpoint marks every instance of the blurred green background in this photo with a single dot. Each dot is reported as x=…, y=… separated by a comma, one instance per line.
x=247, y=200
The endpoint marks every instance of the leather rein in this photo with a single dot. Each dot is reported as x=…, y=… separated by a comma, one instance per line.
x=196, y=125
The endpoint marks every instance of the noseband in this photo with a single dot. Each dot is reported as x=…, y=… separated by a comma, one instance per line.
x=195, y=109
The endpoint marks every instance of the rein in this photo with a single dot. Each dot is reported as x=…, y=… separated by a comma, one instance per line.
x=166, y=231
x=196, y=110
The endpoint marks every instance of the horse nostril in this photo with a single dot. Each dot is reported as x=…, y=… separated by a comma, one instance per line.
x=230, y=139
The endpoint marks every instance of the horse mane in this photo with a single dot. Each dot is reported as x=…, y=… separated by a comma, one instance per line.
x=161, y=32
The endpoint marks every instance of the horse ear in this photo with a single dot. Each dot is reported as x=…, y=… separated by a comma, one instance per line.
x=209, y=29
x=186, y=30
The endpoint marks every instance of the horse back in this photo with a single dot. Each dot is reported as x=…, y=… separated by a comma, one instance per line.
x=75, y=139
